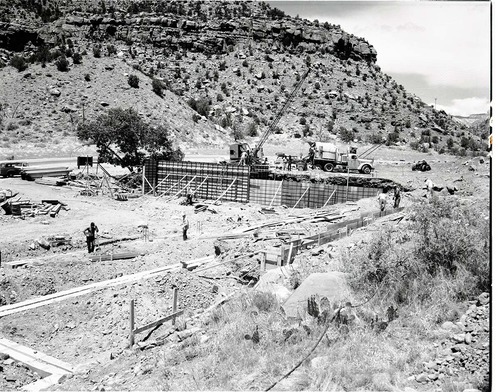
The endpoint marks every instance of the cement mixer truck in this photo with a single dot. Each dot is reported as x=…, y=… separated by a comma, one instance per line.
x=328, y=157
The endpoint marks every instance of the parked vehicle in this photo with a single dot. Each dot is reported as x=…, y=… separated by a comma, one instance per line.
x=421, y=166
x=328, y=157
x=12, y=168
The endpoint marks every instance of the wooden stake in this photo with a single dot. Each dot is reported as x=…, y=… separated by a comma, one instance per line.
x=143, y=178
x=132, y=326
x=174, y=303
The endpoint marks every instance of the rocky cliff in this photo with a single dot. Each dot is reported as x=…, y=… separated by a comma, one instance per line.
x=235, y=64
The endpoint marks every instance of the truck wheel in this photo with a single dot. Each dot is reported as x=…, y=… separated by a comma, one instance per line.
x=10, y=174
x=328, y=167
x=365, y=169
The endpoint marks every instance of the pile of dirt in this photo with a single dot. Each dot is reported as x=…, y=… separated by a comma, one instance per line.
x=8, y=292
x=326, y=178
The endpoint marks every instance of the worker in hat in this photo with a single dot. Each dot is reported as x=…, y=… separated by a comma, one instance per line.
x=185, y=226
x=429, y=186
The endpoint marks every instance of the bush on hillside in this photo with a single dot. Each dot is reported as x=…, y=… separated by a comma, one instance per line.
x=158, y=87
x=442, y=255
x=202, y=106
x=77, y=58
x=62, y=64
x=345, y=135
x=252, y=129
x=87, y=77
x=18, y=62
x=133, y=81
x=97, y=51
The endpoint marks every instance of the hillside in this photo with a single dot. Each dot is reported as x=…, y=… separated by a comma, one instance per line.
x=235, y=63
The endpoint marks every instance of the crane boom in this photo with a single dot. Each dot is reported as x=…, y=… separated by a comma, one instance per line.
x=280, y=114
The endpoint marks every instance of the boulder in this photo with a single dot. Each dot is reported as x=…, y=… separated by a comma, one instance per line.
x=55, y=92
x=332, y=285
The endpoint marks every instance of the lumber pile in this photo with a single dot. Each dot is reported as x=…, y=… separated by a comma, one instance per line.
x=53, y=181
x=116, y=256
x=25, y=208
x=59, y=240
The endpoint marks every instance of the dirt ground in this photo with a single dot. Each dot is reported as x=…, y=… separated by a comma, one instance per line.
x=89, y=330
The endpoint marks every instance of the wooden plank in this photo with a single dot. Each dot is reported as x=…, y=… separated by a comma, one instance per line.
x=158, y=322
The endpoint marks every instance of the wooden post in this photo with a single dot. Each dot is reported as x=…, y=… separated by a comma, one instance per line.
x=262, y=261
x=347, y=188
x=143, y=178
x=174, y=303
x=132, y=326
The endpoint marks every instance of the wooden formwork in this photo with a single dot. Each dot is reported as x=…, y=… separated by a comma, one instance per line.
x=286, y=254
x=207, y=180
x=305, y=194
x=234, y=183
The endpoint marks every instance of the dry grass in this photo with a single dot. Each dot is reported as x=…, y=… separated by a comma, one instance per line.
x=354, y=358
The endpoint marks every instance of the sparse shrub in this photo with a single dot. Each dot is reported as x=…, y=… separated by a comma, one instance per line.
x=252, y=129
x=441, y=256
x=133, y=81
x=392, y=138
x=202, y=106
x=220, y=98
x=111, y=50
x=87, y=77
x=158, y=87
x=196, y=117
x=376, y=138
x=345, y=135
x=62, y=64
x=12, y=126
x=97, y=51
x=302, y=121
x=19, y=63
x=264, y=301
x=77, y=58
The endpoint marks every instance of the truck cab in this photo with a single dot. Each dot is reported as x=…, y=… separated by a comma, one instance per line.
x=236, y=151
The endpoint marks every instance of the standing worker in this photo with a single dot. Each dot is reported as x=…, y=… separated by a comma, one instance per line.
x=185, y=226
x=90, y=234
x=429, y=186
x=189, y=196
x=397, y=196
x=243, y=159
x=382, y=199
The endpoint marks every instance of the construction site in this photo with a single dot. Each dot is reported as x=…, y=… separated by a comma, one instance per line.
x=160, y=230
x=67, y=312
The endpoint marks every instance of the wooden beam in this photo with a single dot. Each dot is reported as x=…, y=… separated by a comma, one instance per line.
x=277, y=190
x=132, y=325
x=227, y=189
x=177, y=183
x=335, y=190
x=298, y=201
x=158, y=322
x=185, y=186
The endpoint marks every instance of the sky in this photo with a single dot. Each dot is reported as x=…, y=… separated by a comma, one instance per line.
x=438, y=50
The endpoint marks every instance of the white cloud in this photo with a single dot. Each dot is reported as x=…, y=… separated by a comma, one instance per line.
x=465, y=107
x=448, y=42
